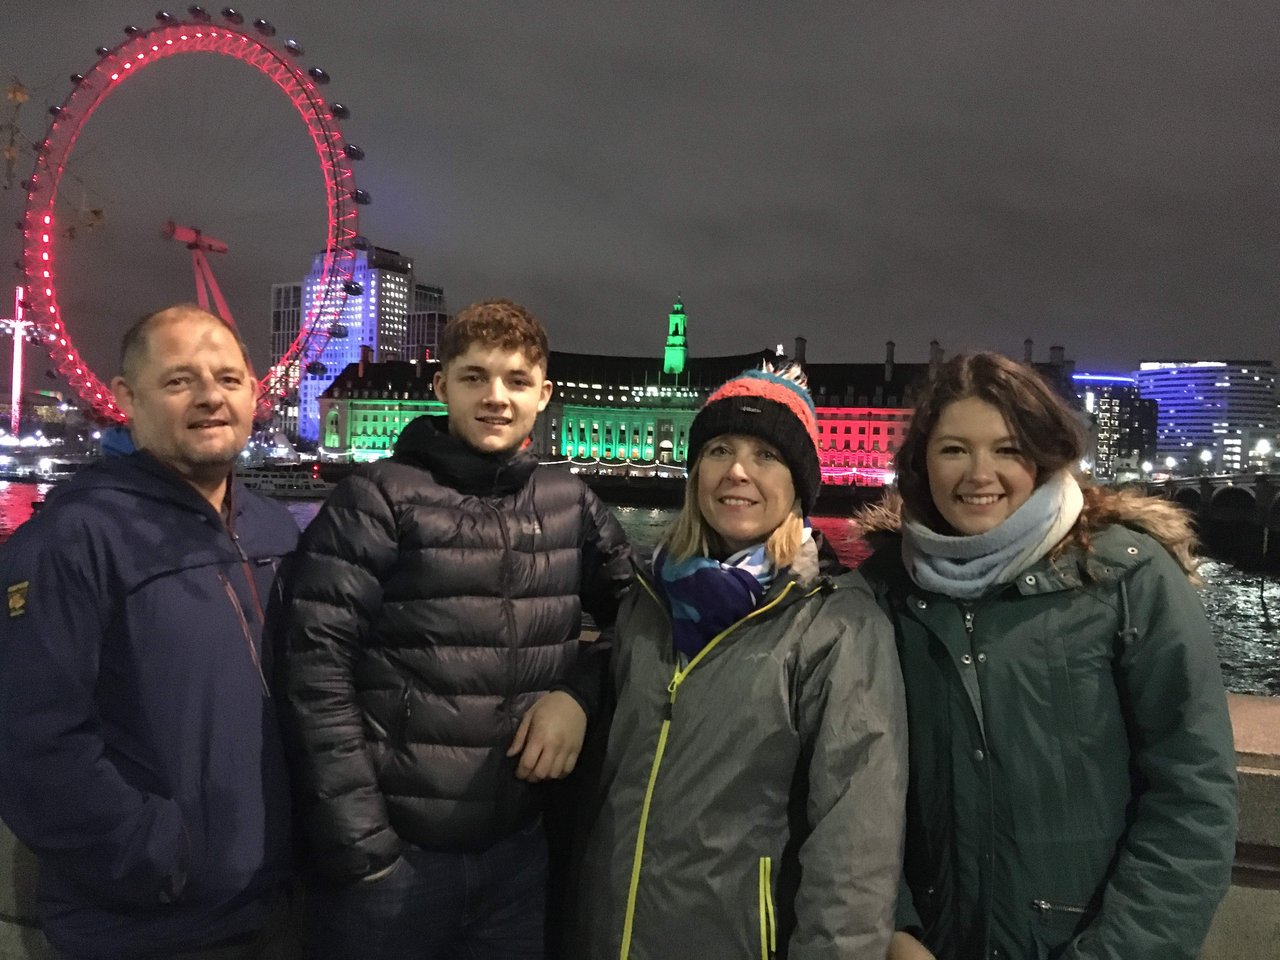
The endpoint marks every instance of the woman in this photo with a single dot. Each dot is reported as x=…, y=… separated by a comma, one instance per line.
x=755, y=768
x=1072, y=786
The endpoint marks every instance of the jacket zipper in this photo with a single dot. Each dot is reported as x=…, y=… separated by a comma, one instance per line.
x=1046, y=906
x=508, y=614
x=673, y=688
x=768, y=920
x=247, y=567
x=244, y=629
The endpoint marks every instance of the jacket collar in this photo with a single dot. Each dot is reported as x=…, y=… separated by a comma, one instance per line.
x=142, y=474
x=1115, y=550
x=427, y=443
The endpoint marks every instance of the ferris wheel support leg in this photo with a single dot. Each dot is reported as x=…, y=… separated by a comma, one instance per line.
x=15, y=400
x=15, y=391
x=204, y=279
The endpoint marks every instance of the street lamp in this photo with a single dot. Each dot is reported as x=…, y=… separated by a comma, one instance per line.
x=1170, y=462
x=1148, y=466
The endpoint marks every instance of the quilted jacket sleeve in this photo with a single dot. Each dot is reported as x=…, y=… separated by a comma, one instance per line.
x=331, y=592
x=606, y=561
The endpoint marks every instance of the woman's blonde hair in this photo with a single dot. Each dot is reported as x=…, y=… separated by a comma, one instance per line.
x=691, y=535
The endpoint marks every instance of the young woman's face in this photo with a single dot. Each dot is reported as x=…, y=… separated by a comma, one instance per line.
x=977, y=474
x=744, y=489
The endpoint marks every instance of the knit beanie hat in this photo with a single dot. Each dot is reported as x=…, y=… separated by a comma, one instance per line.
x=775, y=406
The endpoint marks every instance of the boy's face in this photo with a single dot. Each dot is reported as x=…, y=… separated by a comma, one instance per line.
x=493, y=395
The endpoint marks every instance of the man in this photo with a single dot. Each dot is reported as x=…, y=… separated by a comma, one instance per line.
x=437, y=598
x=141, y=756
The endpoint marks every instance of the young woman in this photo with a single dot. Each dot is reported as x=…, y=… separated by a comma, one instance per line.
x=755, y=769
x=1072, y=786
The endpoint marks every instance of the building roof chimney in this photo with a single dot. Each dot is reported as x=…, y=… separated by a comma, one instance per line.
x=935, y=352
x=1057, y=355
x=1027, y=344
x=888, y=360
x=366, y=358
x=801, y=343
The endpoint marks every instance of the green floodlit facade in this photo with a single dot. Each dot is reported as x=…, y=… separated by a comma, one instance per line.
x=632, y=415
x=368, y=404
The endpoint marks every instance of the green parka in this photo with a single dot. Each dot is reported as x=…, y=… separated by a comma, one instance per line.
x=1072, y=787
x=754, y=797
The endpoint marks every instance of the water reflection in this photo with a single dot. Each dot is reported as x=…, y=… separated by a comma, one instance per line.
x=1243, y=608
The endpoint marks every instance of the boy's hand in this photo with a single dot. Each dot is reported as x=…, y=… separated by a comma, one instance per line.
x=903, y=946
x=549, y=738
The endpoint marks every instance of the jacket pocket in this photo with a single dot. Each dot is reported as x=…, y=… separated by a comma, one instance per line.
x=1054, y=927
x=768, y=919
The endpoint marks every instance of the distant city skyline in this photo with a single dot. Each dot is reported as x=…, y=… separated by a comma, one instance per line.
x=1094, y=176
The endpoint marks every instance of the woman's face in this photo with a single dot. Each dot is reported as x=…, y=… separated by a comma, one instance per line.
x=744, y=489
x=977, y=474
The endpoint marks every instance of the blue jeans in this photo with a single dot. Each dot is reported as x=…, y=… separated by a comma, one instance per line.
x=489, y=905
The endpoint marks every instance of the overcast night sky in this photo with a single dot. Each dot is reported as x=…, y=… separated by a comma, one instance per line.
x=1101, y=175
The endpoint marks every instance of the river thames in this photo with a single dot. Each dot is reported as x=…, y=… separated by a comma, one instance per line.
x=1244, y=608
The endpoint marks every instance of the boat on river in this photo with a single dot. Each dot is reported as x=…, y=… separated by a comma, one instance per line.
x=285, y=483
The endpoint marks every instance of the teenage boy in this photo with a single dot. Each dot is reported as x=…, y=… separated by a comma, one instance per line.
x=435, y=599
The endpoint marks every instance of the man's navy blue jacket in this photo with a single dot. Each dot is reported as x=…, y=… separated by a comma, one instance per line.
x=140, y=754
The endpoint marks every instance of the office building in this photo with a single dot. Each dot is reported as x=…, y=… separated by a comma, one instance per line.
x=1122, y=424
x=376, y=317
x=1211, y=412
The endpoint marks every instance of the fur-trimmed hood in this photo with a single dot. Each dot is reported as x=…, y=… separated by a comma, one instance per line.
x=1163, y=520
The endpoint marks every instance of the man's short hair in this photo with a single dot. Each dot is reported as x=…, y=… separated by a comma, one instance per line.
x=494, y=323
x=135, y=343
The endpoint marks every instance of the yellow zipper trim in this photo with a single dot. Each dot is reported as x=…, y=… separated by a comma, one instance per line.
x=673, y=687
x=768, y=921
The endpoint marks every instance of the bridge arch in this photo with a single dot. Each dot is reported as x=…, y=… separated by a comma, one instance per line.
x=1188, y=498
x=1232, y=504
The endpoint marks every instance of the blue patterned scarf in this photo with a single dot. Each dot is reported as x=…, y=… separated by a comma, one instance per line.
x=706, y=596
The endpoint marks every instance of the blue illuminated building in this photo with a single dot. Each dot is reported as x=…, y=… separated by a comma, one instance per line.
x=1213, y=412
x=394, y=316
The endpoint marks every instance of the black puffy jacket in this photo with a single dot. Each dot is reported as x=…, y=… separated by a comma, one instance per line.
x=434, y=598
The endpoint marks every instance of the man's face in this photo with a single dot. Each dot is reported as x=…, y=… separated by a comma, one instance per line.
x=493, y=395
x=190, y=403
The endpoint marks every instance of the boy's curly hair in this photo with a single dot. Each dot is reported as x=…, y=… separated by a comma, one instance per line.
x=494, y=323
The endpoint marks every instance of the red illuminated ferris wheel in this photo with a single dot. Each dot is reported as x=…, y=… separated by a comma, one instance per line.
x=253, y=45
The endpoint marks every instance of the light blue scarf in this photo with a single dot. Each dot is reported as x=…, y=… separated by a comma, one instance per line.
x=967, y=567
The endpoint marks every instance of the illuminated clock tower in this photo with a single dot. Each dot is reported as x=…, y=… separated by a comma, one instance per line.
x=677, y=352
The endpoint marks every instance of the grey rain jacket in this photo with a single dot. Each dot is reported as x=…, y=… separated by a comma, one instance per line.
x=754, y=797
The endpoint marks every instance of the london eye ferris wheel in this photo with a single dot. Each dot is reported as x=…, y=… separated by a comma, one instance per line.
x=321, y=210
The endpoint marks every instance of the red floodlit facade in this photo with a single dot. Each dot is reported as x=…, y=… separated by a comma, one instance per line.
x=856, y=444
x=140, y=50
